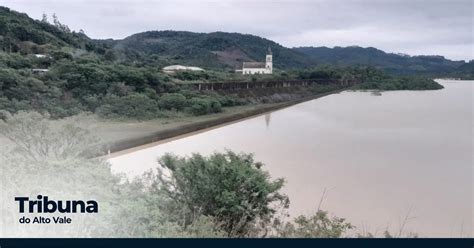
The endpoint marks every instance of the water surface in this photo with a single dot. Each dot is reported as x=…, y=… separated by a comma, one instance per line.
x=379, y=157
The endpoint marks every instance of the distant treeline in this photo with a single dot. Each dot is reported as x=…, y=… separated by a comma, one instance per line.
x=91, y=83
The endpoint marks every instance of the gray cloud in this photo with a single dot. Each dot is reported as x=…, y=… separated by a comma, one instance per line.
x=414, y=27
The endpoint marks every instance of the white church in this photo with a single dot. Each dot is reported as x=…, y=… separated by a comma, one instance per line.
x=259, y=67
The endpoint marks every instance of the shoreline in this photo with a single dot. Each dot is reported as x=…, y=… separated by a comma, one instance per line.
x=128, y=145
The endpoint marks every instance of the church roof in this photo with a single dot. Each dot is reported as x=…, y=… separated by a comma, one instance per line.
x=254, y=65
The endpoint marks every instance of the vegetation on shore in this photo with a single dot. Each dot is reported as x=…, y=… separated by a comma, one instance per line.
x=218, y=51
x=464, y=72
x=400, y=83
x=226, y=194
x=111, y=90
x=93, y=76
x=223, y=195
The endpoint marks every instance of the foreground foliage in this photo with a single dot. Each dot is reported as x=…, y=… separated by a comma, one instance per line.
x=222, y=195
x=319, y=225
x=231, y=188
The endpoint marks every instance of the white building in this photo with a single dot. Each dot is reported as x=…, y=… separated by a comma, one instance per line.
x=41, y=56
x=259, y=67
x=174, y=68
x=39, y=71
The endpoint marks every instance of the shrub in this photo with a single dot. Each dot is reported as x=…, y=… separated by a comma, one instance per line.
x=172, y=101
x=191, y=75
x=231, y=188
x=319, y=225
x=138, y=106
x=215, y=106
x=58, y=55
x=203, y=106
x=198, y=106
x=401, y=83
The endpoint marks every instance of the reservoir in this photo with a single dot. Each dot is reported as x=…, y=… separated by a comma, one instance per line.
x=390, y=160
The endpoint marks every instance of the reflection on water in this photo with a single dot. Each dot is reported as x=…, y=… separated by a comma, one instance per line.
x=376, y=93
x=268, y=117
x=380, y=156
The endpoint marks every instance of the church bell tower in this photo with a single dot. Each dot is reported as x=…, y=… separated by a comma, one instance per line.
x=269, y=62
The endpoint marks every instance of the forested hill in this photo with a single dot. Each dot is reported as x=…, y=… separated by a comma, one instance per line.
x=465, y=71
x=394, y=63
x=20, y=33
x=229, y=50
x=217, y=49
x=46, y=67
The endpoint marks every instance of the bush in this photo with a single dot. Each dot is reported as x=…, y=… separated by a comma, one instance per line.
x=191, y=75
x=401, y=83
x=172, y=101
x=224, y=194
x=228, y=187
x=319, y=225
x=55, y=156
x=58, y=55
x=138, y=106
x=215, y=106
x=203, y=106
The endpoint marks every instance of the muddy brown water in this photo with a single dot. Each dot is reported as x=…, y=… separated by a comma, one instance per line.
x=378, y=157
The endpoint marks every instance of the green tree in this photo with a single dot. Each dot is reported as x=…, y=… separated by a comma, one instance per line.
x=171, y=101
x=110, y=55
x=222, y=195
x=203, y=106
x=138, y=106
x=319, y=225
x=54, y=157
x=229, y=187
x=31, y=131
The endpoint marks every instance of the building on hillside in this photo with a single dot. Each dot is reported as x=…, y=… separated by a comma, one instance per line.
x=259, y=67
x=175, y=68
x=42, y=56
x=39, y=71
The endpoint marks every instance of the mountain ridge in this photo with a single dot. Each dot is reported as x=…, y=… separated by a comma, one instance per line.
x=216, y=50
x=390, y=62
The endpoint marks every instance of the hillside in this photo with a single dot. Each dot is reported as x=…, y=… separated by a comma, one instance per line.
x=465, y=71
x=217, y=50
x=20, y=33
x=209, y=50
x=220, y=50
x=123, y=78
x=393, y=63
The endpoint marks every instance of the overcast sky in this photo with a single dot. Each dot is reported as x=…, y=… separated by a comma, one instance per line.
x=442, y=27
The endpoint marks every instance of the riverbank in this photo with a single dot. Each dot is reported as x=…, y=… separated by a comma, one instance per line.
x=120, y=136
x=356, y=147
